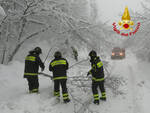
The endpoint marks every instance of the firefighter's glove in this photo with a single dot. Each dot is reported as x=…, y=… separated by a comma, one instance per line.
x=88, y=74
x=42, y=69
x=51, y=78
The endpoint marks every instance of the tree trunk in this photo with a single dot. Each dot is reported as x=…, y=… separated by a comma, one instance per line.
x=3, y=57
x=22, y=42
x=10, y=58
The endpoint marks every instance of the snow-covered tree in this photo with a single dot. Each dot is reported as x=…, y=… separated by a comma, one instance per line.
x=51, y=19
x=139, y=43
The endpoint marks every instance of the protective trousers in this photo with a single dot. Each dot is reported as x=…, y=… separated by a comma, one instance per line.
x=57, y=84
x=95, y=85
x=33, y=84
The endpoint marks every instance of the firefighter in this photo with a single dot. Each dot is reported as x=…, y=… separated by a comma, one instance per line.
x=59, y=68
x=32, y=63
x=97, y=77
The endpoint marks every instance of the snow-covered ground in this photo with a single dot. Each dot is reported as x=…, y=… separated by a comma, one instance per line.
x=132, y=96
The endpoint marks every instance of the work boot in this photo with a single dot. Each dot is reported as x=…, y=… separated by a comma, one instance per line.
x=66, y=100
x=103, y=98
x=96, y=102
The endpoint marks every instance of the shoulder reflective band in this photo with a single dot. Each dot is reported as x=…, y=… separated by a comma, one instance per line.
x=58, y=62
x=97, y=79
x=58, y=78
x=30, y=58
x=99, y=64
x=32, y=74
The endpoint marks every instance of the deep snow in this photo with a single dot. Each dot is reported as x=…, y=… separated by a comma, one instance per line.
x=134, y=96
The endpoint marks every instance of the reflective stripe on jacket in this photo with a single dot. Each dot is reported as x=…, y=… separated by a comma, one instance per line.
x=32, y=63
x=97, y=69
x=58, y=78
x=97, y=79
x=32, y=74
x=30, y=58
x=58, y=62
x=59, y=68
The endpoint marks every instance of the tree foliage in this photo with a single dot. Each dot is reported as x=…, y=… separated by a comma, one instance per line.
x=63, y=19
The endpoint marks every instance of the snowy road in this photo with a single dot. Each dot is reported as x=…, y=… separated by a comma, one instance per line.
x=131, y=101
x=135, y=88
x=128, y=69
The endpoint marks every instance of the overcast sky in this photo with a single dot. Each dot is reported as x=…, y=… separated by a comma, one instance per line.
x=109, y=10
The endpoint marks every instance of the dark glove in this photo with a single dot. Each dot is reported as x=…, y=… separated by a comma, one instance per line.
x=51, y=78
x=42, y=69
x=88, y=74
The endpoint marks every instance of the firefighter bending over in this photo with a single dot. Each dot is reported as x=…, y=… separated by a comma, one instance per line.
x=97, y=77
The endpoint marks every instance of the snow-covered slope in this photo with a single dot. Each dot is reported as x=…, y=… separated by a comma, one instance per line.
x=131, y=96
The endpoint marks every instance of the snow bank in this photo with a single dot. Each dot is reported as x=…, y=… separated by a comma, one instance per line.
x=130, y=95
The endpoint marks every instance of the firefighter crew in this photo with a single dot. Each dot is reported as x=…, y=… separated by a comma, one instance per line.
x=32, y=63
x=97, y=77
x=59, y=68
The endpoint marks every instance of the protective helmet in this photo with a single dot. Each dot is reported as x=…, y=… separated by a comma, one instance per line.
x=92, y=53
x=57, y=54
x=38, y=50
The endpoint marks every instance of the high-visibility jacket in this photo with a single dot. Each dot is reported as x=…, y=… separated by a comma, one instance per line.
x=97, y=69
x=32, y=63
x=59, y=68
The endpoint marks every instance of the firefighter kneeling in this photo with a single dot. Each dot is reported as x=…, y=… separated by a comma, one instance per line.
x=59, y=67
x=97, y=77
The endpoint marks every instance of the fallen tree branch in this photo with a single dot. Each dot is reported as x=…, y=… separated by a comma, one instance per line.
x=46, y=75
